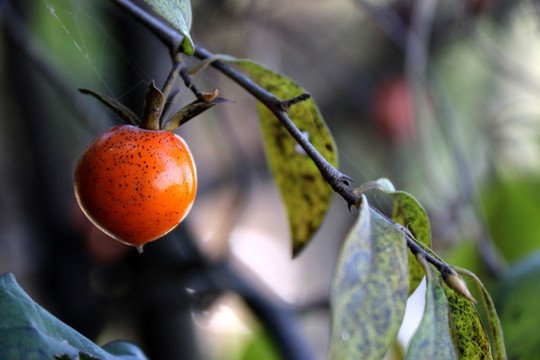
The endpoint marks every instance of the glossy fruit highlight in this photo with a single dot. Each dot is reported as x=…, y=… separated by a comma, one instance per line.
x=135, y=184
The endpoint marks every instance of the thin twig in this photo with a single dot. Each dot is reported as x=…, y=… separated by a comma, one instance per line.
x=184, y=74
x=286, y=104
x=171, y=78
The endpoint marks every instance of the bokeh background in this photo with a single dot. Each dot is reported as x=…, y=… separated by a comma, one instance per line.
x=440, y=97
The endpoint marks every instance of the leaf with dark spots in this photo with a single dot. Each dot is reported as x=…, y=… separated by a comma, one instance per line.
x=305, y=193
x=470, y=335
x=433, y=339
x=494, y=324
x=369, y=288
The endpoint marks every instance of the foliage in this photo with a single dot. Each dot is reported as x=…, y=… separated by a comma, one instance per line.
x=433, y=339
x=178, y=14
x=450, y=327
x=305, y=193
x=369, y=288
x=27, y=331
x=512, y=210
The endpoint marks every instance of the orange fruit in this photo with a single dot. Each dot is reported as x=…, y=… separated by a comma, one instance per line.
x=136, y=184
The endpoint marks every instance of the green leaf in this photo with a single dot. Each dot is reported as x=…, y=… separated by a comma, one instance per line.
x=178, y=14
x=494, y=324
x=305, y=193
x=512, y=210
x=433, y=340
x=27, y=331
x=469, y=333
x=517, y=300
x=409, y=213
x=369, y=288
x=260, y=346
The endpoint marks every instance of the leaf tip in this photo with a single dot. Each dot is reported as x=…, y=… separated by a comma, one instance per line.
x=210, y=96
x=187, y=46
x=386, y=185
x=297, y=249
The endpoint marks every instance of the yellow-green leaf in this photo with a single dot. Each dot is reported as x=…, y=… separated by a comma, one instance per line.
x=494, y=324
x=178, y=14
x=369, y=288
x=304, y=191
x=409, y=213
x=469, y=333
x=433, y=340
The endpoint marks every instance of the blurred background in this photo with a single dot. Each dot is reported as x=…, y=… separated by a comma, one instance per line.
x=442, y=98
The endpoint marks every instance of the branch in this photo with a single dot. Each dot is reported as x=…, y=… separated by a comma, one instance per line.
x=171, y=38
x=339, y=182
x=278, y=319
x=216, y=277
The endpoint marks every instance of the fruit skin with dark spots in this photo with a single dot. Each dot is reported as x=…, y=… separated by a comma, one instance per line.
x=136, y=184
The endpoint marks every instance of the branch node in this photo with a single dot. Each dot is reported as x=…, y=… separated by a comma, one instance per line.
x=176, y=56
x=346, y=180
x=286, y=104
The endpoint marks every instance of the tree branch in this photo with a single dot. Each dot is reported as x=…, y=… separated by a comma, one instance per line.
x=278, y=319
x=339, y=182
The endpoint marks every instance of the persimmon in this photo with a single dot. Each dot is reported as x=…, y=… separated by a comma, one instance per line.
x=136, y=184
x=392, y=108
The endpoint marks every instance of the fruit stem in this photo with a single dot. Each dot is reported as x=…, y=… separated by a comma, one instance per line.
x=173, y=75
x=153, y=107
